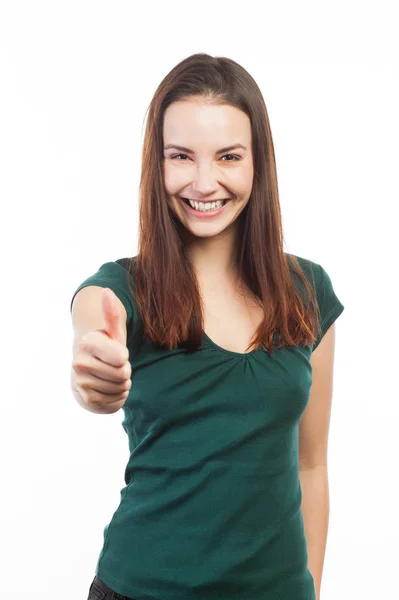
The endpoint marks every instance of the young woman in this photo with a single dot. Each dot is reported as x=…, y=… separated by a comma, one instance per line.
x=229, y=341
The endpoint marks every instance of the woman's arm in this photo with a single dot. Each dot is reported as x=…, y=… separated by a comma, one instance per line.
x=313, y=443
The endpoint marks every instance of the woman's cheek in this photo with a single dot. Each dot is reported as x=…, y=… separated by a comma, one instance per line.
x=173, y=181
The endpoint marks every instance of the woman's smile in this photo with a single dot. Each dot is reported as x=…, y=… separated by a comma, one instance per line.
x=201, y=209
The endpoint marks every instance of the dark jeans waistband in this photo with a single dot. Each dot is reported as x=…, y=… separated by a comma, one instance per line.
x=107, y=590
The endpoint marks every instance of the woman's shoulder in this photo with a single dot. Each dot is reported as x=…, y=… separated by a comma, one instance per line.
x=311, y=269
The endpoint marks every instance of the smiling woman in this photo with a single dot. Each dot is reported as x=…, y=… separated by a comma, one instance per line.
x=204, y=176
x=221, y=324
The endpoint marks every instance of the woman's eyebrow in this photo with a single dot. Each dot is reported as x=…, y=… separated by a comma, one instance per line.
x=226, y=149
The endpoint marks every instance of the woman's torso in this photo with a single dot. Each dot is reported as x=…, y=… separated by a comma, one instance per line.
x=211, y=508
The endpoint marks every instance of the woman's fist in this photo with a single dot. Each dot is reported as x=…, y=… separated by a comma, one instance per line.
x=101, y=369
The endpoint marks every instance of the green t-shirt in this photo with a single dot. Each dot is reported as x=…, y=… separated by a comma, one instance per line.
x=211, y=509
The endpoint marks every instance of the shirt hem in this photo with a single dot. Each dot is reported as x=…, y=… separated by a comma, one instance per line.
x=127, y=590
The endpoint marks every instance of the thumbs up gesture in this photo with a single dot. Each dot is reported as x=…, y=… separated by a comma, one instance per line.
x=101, y=368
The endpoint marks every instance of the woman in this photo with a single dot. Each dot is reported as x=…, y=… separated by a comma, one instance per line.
x=227, y=413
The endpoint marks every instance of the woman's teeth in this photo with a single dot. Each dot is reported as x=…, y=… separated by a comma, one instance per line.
x=205, y=206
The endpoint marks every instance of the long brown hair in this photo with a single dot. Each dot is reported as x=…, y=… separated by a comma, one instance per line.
x=164, y=287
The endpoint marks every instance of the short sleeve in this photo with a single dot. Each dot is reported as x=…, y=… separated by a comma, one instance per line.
x=114, y=276
x=329, y=304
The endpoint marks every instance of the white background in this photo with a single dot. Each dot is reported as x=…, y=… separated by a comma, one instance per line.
x=76, y=79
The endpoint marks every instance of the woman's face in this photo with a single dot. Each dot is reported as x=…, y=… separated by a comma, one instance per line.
x=203, y=163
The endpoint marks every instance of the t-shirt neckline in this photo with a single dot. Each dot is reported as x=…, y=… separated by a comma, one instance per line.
x=231, y=352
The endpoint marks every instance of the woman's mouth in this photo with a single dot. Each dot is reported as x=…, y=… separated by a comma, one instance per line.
x=204, y=208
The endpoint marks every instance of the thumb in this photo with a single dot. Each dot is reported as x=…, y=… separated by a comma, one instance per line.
x=113, y=325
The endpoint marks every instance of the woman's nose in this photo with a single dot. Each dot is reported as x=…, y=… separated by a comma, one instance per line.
x=204, y=180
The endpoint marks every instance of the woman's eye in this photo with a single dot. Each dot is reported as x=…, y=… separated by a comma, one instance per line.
x=175, y=155
x=232, y=155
